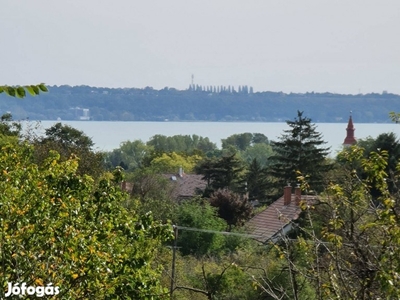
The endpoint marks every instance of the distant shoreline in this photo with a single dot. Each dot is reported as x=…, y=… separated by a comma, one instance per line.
x=191, y=121
x=108, y=135
x=87, y=103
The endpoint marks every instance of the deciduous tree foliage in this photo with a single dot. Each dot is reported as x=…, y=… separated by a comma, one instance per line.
x=59, y=227
x=171, y=162
x=181, y=143
x=67, y=140
x=243, y=141
x=68, y=136
x=129, y=155
x=235, y=209
x=261, y=152
x=192, y=214
x=155, y=192
x=390, y=143
x=10, y=131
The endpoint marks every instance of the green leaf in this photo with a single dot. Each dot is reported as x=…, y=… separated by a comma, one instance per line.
x=43, y=88
x=35, y=89
x=30, y=90
x=10, y=91
x=20, y=92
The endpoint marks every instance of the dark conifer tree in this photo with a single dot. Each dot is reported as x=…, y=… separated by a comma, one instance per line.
x=257, y=183
x=300, y=149
x=226, y=172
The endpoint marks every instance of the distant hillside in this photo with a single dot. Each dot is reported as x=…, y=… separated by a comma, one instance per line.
x=197, y=104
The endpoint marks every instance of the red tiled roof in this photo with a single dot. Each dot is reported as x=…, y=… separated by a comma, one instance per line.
x=275, y=218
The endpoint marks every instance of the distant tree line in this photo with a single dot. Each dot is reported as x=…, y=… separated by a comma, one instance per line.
x=197, y=103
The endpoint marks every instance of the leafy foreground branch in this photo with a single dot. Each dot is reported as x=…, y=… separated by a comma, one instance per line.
x=20, y=91
x=61, y=228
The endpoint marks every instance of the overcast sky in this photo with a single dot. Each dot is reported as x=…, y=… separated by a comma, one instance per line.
x=336, y=46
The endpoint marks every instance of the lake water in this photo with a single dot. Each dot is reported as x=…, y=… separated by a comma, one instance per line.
x=108, y=135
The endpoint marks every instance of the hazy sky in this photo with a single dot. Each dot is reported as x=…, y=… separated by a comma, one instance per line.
x=337, y=46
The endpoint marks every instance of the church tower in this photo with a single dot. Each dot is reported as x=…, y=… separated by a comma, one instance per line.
x=350, y=139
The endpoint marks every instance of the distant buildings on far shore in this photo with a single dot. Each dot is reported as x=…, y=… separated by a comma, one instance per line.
x=242, y=89
x=82, y=114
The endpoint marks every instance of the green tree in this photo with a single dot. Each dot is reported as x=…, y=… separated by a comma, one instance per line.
x=115, y=158
x=130, y=155
x=199, y=215
x=10, y=131
x=155, y=193
x=226, y=172
x=60, y=227
x=8, y=127
x=67, y=137
x=68, y=141
x=257, y=182
x=388, y=142
x=260, y=138
x=261, y=152
x=171, y=162
x=238, y=141
x=299, y=150
x=243, y=141
x=181, y=143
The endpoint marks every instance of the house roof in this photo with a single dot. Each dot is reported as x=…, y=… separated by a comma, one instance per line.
x=273, y=220
x=187, y=185
x=184, y=185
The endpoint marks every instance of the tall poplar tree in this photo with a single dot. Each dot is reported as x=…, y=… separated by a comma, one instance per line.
x=300, y=150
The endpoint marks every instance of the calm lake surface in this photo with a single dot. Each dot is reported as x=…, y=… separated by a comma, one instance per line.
x=108, y=135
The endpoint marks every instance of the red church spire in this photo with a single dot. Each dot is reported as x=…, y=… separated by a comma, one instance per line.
x=350, y=139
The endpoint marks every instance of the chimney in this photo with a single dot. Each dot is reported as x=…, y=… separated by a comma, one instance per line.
x=297, y=193
x=287, y=194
